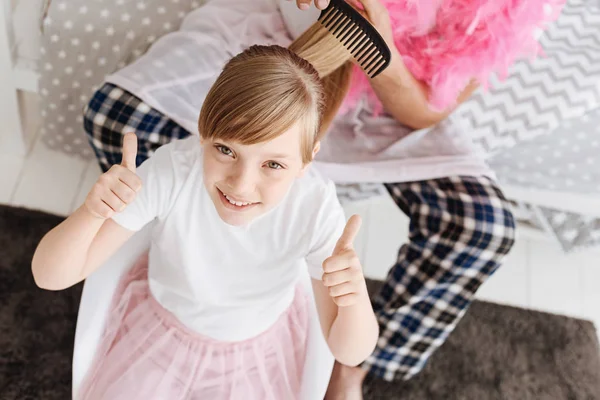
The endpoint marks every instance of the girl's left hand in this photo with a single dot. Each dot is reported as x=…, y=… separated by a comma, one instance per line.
x=343, y=271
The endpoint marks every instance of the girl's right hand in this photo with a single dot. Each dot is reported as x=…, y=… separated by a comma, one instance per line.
x=117, y=187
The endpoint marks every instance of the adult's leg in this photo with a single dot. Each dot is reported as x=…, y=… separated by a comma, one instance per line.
x=112, y=112
x=460, y=230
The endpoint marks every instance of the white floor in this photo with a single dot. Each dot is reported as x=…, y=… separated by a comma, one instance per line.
x=536, y=275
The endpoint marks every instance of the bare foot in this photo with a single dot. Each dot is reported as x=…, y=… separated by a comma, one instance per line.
x=345, y=383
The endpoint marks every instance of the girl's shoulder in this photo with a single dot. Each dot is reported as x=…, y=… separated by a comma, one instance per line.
x=315, y=190
x=173, y=169
x=179, y=157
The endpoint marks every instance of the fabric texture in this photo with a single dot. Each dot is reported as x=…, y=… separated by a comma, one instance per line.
x=460, y=230
x=565, y=160
x=112, y=112
x=146, y=353
x=84, y=41
x=538, y=95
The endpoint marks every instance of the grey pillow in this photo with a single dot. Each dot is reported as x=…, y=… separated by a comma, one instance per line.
x=539, y=94
x=82, y=42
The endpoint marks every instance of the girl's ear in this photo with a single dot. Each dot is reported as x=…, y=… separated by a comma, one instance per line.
x=314, y=153
x=316, y=149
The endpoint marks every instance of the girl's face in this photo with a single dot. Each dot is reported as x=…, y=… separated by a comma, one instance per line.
x=246, y=181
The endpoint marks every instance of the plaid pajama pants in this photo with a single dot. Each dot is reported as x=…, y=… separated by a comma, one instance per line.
x=460, y=230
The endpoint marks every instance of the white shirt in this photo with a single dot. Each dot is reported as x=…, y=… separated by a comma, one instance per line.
x=228, y=283
x=175, y=75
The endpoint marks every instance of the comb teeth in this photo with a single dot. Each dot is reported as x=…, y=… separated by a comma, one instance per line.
x=358, y=36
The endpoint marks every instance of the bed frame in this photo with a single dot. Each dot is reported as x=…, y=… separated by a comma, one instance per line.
x=19, y=49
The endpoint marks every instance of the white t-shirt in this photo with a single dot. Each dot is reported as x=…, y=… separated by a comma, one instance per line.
x=228, y=283
x=177, y=72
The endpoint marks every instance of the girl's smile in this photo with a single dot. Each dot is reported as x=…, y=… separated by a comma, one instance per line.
x=231, y=203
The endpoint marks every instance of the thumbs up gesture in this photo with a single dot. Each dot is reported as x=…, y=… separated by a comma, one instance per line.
x=117, y=187
x=343, y=274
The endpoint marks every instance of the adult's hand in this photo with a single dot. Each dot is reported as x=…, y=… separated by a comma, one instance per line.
x=378, y=15
x=305, y=4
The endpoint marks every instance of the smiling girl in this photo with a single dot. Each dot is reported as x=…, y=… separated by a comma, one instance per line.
x=215, y=311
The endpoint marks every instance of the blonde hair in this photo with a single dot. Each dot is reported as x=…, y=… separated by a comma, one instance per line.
x=265, y=90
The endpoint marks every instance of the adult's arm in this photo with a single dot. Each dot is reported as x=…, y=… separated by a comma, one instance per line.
x=406, y=99
x=403, y=96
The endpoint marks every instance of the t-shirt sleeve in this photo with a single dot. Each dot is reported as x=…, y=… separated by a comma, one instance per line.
x=158, y=184
x=328, y=227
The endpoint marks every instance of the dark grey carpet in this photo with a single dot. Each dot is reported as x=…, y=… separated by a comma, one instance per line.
x=496, y=352
x=506, y=353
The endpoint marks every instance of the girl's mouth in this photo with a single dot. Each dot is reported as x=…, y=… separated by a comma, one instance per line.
x=234, y=204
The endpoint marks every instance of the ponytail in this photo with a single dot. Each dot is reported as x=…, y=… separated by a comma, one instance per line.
x=333, y=63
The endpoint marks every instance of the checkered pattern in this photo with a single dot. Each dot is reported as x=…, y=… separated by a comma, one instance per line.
x=112, y=112
x=461, y=228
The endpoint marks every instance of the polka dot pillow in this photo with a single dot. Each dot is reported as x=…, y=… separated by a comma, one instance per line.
x=82, y=42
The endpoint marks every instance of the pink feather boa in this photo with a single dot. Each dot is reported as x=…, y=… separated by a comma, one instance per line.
x=448, y=43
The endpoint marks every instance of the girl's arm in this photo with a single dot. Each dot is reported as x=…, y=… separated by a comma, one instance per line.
x=345, y=312
x=76, y=247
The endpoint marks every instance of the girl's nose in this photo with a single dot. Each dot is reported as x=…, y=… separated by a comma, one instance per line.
x=242, y=181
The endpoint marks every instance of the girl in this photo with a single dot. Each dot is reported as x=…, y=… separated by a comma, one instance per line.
x=214, y=311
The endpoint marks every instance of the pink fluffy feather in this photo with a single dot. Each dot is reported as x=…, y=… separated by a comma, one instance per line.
x=448, y=43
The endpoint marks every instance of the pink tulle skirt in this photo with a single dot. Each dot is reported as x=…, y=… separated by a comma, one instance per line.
x=146, y=353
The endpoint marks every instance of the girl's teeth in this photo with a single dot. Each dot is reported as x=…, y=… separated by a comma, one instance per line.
x=236, y=203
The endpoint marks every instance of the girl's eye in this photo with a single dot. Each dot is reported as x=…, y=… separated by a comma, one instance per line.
x=274, y=165
x=224, y=150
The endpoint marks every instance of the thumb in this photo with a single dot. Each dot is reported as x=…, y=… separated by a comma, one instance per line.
x=350, y=231
x=129, y=151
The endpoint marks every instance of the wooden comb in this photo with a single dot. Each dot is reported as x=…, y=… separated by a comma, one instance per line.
x=357, y=35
